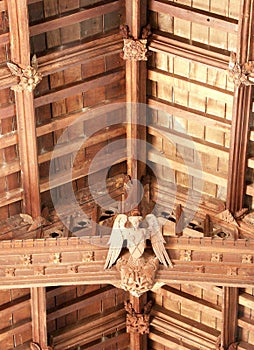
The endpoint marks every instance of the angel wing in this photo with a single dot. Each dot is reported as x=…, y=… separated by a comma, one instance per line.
x=116, y=240
x=157, y=240
x=15, y=69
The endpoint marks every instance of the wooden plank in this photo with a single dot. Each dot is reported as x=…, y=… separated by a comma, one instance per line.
x=189, y=114
x=191, y=332
x=20, y=53
x=194, y=143
x=73, y=146
x=76, y=17
x=187, y=168
x=102, y=162
x=191, y=301
x=214, y=92
x=90, y=329
x=194, y=15
x=11, y=196
x=9, y=168
x=85, y=85
x=9, y=139
x=64, y=121
x=38, y=311
x=67, y=57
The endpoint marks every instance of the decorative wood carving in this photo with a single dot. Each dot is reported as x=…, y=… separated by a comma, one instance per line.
x=27, y=259
x=39, y=270
x=247, y=259
x=185, y=255
x=56, y=258
x=240, y=73
x=137, y=277
x=88, y=256
x=29, y=77
x=129, y=229
x=216, y=257
x=72, y=269
x=232, y=271
x=137, y=322
x=135, y=49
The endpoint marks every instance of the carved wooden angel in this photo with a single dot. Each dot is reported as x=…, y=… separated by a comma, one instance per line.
x=134, y=238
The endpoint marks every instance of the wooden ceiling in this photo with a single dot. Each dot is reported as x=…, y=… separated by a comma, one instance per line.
x=191, y=146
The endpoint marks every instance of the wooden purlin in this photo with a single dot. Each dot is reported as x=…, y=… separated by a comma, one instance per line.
x=68, y=261
x=180, y=47
x=20, y=54
x=136, y=94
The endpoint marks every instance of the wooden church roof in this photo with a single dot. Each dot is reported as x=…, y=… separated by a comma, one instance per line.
x=111, y=107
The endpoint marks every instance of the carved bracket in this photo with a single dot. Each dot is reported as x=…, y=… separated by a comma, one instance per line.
x=138, y=322
x=240, y=73
x=29, y=77
x=135, y=49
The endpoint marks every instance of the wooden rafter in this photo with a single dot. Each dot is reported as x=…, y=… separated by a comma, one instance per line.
x=20, y=54
x=136, y=93
x=240, y=118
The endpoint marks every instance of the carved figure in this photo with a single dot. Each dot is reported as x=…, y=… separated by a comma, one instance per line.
x=135, y=238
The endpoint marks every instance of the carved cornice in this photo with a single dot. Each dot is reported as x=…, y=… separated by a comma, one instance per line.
x=29, y=77
x=213, y=260
x=240, y=73
x=137, y=322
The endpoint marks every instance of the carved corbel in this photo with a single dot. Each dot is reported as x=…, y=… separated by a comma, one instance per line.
x=29, y=77
x=135, y=49
x=240, y=73
x=138, y=322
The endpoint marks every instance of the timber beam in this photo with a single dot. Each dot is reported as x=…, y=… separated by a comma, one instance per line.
x=68, y=261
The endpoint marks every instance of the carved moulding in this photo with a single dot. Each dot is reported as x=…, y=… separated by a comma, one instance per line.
x=29, y=77
x=240, y=73
x=138, y=277
x=137, y=322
